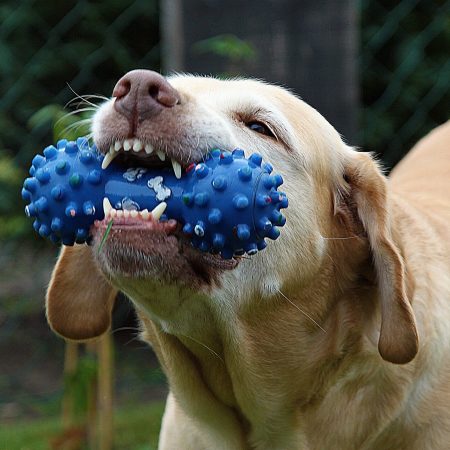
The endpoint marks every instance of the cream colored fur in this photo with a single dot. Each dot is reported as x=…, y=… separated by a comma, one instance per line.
x=337, y=336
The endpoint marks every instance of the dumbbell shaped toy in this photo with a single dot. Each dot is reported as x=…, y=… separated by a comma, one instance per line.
x=227, y=204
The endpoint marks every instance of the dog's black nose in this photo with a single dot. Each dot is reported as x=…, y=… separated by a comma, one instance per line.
x=141, y=94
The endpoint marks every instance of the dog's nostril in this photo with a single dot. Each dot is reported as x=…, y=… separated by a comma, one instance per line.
x=121, y=89
x=153, y=91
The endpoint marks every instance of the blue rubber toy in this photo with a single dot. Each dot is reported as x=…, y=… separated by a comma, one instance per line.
x=227, y=204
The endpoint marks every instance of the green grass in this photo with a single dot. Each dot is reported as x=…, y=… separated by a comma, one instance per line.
x=135, y=428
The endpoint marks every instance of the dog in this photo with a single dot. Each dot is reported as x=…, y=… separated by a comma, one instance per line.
x=335, y=337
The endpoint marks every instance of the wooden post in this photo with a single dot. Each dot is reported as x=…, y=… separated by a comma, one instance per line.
x=105, y=392
x=100, y=413
x=70, y=367
x=92, y=407
x=309, y=46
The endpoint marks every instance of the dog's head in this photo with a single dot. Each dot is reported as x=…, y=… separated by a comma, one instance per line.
x=337, y=221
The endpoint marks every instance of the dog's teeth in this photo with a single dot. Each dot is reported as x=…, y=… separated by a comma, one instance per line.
x=148, y=149
x=134, y=213
x=176, y=168
x=126, y=213
x=111, y=148
x=117, y=146
x=137, y=145
x=161, y=154
x=158, y=211
x=119, y=213
x=107, y=159
x=127, y=144
x=144, y=214
x=113, y=212
x=106, y=207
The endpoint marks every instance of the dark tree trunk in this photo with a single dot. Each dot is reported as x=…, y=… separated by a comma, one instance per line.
x=309, y=46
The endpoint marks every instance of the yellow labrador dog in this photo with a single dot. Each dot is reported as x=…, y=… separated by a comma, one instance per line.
x=335, y=337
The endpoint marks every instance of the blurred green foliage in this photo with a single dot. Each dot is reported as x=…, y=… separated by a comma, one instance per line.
x=405, y=73
x=226, y=45
x=44, y=48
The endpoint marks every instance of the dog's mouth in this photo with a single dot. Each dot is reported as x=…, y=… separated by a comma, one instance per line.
x=136, y=243
x=131, y=152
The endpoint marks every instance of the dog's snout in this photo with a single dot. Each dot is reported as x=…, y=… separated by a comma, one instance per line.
x=141, y=94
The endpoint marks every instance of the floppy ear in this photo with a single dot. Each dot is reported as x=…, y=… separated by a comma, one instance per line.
x=398, y=342
x=79, y=300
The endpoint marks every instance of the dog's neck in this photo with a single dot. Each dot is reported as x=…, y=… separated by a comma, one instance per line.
x=246, y=360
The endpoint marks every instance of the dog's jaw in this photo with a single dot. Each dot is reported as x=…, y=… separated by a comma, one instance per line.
x=203, y=120
x=182, y=134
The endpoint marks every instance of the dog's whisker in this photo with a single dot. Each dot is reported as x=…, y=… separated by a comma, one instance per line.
x=340, y=238
x=78, y=111
x=124, y=329
x=81, y=102
x=303, y=312
x=101, y=97
x=76, y=102
x=80, y=97
x=135, y=338
x=77, y=125
x=86, y=108
x=205, y=346
x=83, y=121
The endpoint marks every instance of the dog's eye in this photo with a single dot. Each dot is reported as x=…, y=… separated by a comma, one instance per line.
x=259, y=127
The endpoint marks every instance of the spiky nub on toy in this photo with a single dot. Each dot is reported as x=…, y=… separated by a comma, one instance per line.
x=227, y=204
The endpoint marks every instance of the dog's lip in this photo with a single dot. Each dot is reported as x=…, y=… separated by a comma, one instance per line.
x=137, y=223
x=168, y=228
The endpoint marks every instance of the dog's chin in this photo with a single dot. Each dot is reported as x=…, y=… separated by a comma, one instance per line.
x=138, y=249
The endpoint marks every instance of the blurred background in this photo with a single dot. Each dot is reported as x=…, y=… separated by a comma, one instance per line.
x=378, y=70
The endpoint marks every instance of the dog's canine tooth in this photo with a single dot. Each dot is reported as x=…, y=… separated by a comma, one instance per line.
x=117, y=146
x=158, y=210
x=161, y=154
x=148, y=149
x=106, y=206
x=127, y=143
x=176, y=168
x=137, y=146
x=108, y=158
x=144, y=214
x=111, y=148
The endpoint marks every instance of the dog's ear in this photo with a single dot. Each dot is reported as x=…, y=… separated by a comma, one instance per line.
x=79, y=300
x=368, y=191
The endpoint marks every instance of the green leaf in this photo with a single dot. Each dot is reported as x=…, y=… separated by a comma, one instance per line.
x=226, y=45
x=105, y=236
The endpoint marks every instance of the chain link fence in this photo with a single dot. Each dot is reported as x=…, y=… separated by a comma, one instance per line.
x=47, y=46
x=405, y=73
